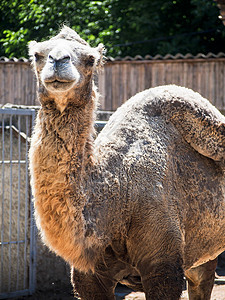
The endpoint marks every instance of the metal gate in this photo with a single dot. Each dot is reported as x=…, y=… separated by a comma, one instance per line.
x=17, y=236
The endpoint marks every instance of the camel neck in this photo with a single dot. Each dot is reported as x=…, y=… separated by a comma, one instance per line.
x=71, y=131
x=60, y=154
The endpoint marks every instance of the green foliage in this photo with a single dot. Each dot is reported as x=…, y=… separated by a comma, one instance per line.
x=126, y=27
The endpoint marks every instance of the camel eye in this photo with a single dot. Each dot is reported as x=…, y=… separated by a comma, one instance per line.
x=91, y=60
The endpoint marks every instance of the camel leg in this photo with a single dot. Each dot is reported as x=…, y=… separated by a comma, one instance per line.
x=92, y=286
x=201, y=281
x=163, y=280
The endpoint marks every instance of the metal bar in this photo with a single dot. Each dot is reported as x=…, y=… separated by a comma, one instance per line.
x=29, y=239
x=26, y=210
x=12, y=242
x=32, y=282
x=18, y=213
x=3, y=196
x=15, y=111
x=10, y=206
x=16, y=131
x=16, y=294
x=101, y=123
x=7, y=162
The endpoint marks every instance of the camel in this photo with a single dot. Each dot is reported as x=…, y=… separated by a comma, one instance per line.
x=143, y=203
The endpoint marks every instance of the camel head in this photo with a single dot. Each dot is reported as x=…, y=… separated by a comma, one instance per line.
x=64, y=65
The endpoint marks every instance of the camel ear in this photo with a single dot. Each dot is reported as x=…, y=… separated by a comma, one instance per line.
x=101, y=59
x=31, y=45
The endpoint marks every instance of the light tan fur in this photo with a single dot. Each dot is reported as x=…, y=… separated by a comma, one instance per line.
x=61, y=223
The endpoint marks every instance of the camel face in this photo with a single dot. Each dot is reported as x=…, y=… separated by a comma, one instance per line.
x=64, y=63
x=61, y=69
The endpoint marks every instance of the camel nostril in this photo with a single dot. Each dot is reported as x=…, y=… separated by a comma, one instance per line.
x=51, y=59
x=59, y=60
x=64, y=59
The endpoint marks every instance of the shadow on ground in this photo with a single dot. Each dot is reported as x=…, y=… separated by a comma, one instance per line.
x=57, y=291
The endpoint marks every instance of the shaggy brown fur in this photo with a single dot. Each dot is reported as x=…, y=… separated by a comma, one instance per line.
x=144, y=203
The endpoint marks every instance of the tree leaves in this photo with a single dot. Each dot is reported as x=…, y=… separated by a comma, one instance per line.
x=127, y=27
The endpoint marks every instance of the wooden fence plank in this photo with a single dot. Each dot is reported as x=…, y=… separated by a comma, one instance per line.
x=120, y=80
x=101, y=85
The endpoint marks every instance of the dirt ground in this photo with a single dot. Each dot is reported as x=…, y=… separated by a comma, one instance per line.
x=217, y=294
x=122, y=293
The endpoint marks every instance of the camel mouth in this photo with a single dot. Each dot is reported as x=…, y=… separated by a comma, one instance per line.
x=60, y=85
x=61, y=80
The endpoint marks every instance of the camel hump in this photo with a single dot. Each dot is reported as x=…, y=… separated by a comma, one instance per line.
x=198, y=121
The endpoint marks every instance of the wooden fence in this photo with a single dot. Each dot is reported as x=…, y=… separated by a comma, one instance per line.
x=122, y=79
x=17, y=83
x=119, y=80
